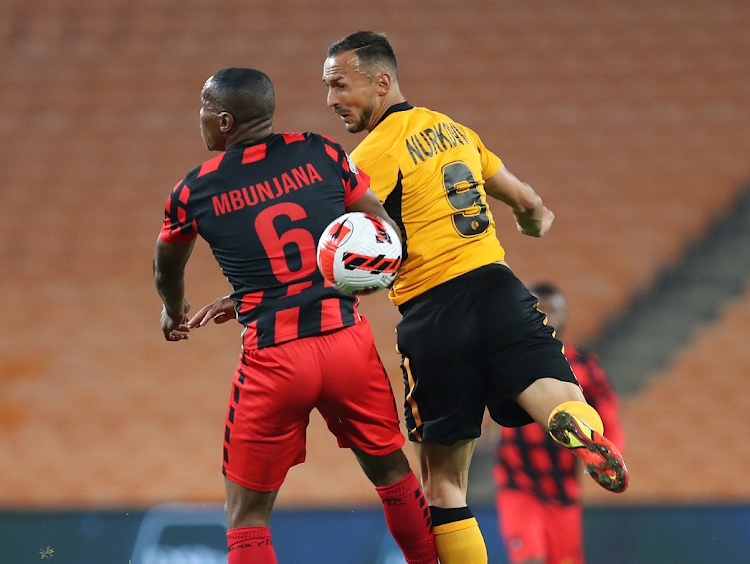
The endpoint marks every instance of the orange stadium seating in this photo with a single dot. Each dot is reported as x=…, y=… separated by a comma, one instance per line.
x=689, y=415
x=630, y=119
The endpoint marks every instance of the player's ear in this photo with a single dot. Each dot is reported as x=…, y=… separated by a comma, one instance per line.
x=226, y=121
x=383, y=83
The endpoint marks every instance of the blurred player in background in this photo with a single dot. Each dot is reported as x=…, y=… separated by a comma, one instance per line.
x=539, y=492
x=470, y=335
x=261, y=205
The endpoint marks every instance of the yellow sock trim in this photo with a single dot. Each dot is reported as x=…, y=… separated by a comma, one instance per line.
x=583, y=411
x=460, y=542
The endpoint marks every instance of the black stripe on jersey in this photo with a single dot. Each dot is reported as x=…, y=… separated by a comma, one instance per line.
x=392, y=205
x=266, y=328
x=347, y=312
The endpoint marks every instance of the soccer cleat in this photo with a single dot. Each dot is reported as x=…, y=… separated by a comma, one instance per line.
x=603, y=461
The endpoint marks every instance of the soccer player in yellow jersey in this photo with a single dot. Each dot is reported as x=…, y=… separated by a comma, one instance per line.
x=470, y=335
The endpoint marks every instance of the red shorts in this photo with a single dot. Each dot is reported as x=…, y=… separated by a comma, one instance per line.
x=532, y=529
x=276, y=388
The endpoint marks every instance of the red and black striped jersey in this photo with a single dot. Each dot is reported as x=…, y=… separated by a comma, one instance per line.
x=262, y=208
x=527, y=457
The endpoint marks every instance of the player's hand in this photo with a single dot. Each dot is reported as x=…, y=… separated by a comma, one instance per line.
x=547, y=218
x=220, y=310
x=536, y=227
x=175, y=327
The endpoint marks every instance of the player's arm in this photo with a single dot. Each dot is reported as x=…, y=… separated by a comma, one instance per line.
x=169, y=278
x=369, y=203
x=532, y=217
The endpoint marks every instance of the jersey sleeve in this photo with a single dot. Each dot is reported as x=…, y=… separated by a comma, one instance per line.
x=179, y=226
x=383, y=170
x=490, y=161
x=354, y=180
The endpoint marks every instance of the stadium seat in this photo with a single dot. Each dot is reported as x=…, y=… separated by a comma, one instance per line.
x=631, y=120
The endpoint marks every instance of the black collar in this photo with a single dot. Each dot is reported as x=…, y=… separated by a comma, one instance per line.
x=400, y=107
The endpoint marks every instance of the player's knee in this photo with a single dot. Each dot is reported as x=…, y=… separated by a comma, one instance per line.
x=242, y=515
x=384, y=470
x=398, y=468
x=248, y=508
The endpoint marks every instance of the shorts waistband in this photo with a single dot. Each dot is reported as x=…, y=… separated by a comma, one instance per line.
x=449, y=288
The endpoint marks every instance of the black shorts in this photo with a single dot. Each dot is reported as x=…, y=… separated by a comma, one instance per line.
x=474, y=341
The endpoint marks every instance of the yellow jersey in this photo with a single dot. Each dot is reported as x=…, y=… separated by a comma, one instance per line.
x=429, y=172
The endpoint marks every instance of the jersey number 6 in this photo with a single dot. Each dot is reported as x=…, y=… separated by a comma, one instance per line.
x=291, y=253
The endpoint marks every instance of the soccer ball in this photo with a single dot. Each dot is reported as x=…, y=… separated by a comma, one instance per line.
x=359, y=253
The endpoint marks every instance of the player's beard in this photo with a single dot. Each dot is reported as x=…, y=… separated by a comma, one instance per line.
x=362, y=122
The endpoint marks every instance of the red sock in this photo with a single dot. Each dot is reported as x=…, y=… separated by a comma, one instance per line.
x=408, y=517
x=250, y=545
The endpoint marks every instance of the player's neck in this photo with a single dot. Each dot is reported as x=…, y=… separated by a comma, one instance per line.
x=393, y=97
x=249, y=134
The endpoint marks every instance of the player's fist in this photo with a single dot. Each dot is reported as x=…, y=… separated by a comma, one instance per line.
x=547, y=218
x=174, y=326
x=536, y=226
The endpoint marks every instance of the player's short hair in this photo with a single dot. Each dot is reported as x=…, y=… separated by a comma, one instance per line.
x=245, y=93
x=545, y=290
x=373, y=49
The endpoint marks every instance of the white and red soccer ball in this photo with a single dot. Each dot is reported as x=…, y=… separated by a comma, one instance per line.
x=359, y=253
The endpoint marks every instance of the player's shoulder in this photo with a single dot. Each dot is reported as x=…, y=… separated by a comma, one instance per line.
x=385, y=139
x=456, y=127
x=311, y=137
x=375, y=154
x=193, y=174
x=428, y=117
x=205, y=171
x=318, y=141
x=429, y=113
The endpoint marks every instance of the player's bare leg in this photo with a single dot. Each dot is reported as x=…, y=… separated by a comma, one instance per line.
x=445, y=474
x=404, y=504
x=383, y=470
x=544, y=395
x=562, y=410
x=248, y=514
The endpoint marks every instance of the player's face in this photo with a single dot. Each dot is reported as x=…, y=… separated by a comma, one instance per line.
x=554, y=307
x=210, y=121
x=352, y=93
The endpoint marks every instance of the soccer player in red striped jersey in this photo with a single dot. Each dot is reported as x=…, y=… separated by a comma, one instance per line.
x=261, y=205
x=538, y=484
